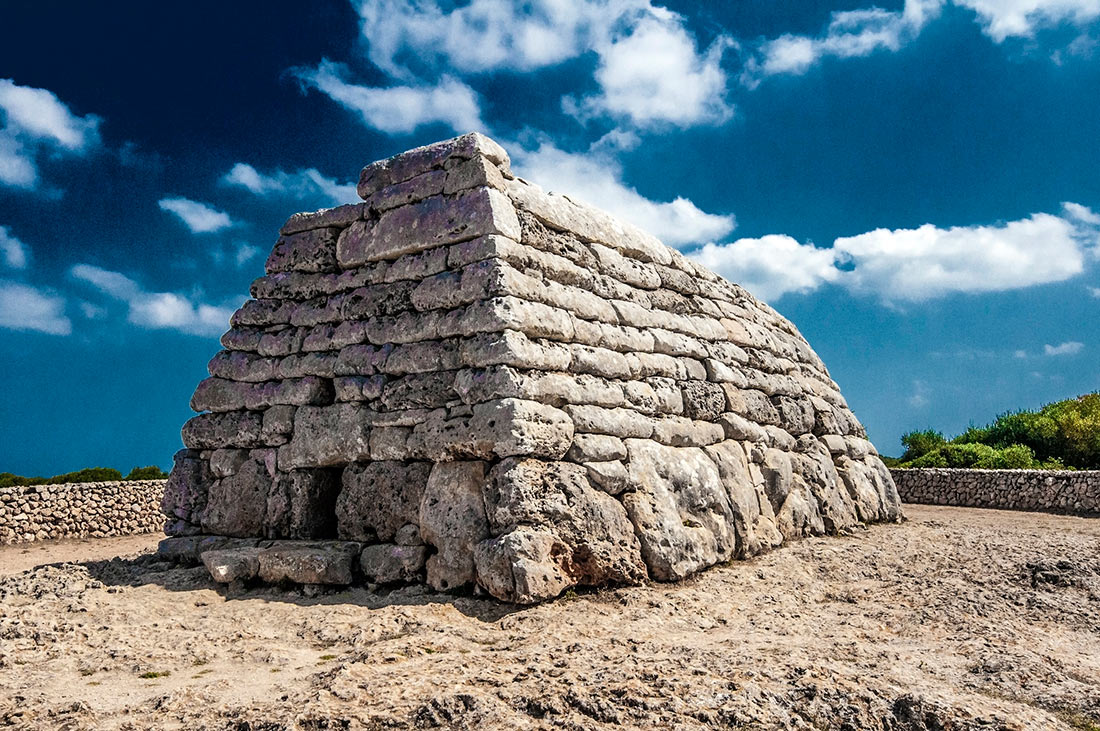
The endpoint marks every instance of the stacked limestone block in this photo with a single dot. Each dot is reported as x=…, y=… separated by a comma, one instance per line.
x=470, y=381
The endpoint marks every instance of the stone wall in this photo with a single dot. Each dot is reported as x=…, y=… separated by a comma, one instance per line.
x=1073, y=493
x=80, y=510
x=470, y=381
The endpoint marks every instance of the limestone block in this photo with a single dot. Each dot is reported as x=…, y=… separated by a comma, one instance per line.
x=753, y=517
x=835, y=505
x=226, y=462
x=359, y=388
x=362, y=360
x=385, y=173
x=236, y=505
x=679, y=431
x=514, y=349
x=326, y=436
x=611, y=477
x=338, y=217
x=378, y=498
x=599, y=545
x=239, y=366
x=302, y=504
x=603, y=362
x=230, y=565
x=796, y=415
x=409, y=191
x=308, y=251
x=187, y=485
x=219, y=394
x=242, y=338
x=281, y=343
x=322, y=562
x=500, y=428
x=417, y=266
x=680, y=509
x=622, y=423
x=387, y=298
x=595, y=448
x=452, y=518
x=432, y=222
x=388, y=563
x=261, y=313
x=524, y=566
x=389, y=442
x=227, y=429
x=703, y=400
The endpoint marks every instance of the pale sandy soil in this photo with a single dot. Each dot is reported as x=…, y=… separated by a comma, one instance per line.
x=958, y=619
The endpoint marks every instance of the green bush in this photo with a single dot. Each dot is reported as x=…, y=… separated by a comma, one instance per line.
x=1061, y=435
x=919, y=443
x=88, y=474
x=152, y=472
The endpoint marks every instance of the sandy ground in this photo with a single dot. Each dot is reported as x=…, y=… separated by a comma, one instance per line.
x=959, y=619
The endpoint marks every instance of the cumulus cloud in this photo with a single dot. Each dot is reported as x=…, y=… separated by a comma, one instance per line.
x=928, y=262
x=652, y=73
x=850, y=33
x=596, y=178
x=23, y=307
x=1070, y=347
x=771, y=266
x=306, y=183
x=913, y=265
x=1001, y=19
x=13, y=252
x=157, y=310
x=198, y=217
x=1094, y=291
x=398, y=109
x=36, y=121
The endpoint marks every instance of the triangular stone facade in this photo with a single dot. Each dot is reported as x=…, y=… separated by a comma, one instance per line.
x=469, y=381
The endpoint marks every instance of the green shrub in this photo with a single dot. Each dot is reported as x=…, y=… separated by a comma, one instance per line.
x=88, y=474
x=919, y=443
x=152, y=472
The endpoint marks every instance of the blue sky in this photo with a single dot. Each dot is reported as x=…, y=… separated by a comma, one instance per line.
x=915, y=184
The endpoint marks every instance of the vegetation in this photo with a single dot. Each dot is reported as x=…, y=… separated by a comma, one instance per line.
x=1062, y=435
x=88, y=474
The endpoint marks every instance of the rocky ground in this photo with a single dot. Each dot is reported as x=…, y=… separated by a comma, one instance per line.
x=958, y=619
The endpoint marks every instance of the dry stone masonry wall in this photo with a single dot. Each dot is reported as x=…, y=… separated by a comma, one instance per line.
x=472, y=382
x=85, y=509
x=1068, y=492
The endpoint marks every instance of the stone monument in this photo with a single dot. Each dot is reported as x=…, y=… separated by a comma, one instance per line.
x=469, y=381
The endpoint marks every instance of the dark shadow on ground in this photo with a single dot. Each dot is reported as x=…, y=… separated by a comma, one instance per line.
x=149, y=568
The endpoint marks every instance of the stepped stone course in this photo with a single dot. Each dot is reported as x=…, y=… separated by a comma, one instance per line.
x=472, y=382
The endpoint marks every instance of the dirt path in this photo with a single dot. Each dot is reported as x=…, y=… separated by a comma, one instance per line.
x=958, y=619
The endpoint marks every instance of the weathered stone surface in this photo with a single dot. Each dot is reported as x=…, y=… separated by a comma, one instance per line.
x=378, y=498
x=236, y=505
x=232, y=564
x=452, y=519
x=679, y=508
x=388, y=563
x=597, y=543
x=301, y=562
x=231, y=429
x=185, y=491
x=407, y=165
x=326, y=436
x=308, y=251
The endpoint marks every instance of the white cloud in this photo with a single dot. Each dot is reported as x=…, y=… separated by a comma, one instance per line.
x=1070, y=347
x=1001, y=19
x=399, y=109
x=36, y=120
x=245, y=253
x=157, y=310
x=198, y=217
x=1094, y=291
x=651, y=73
x=928, y=262
x=13, y=251
x=771, y=266
x=485, y=35
x=307, y=183
x=919, y=397
x=596, y=178
x=850, y=34
x=23, y=307
x=916, y=264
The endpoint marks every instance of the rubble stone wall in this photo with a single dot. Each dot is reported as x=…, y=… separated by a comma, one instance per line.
x=1051, y=491
x=83, y=509
x=478, y=382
